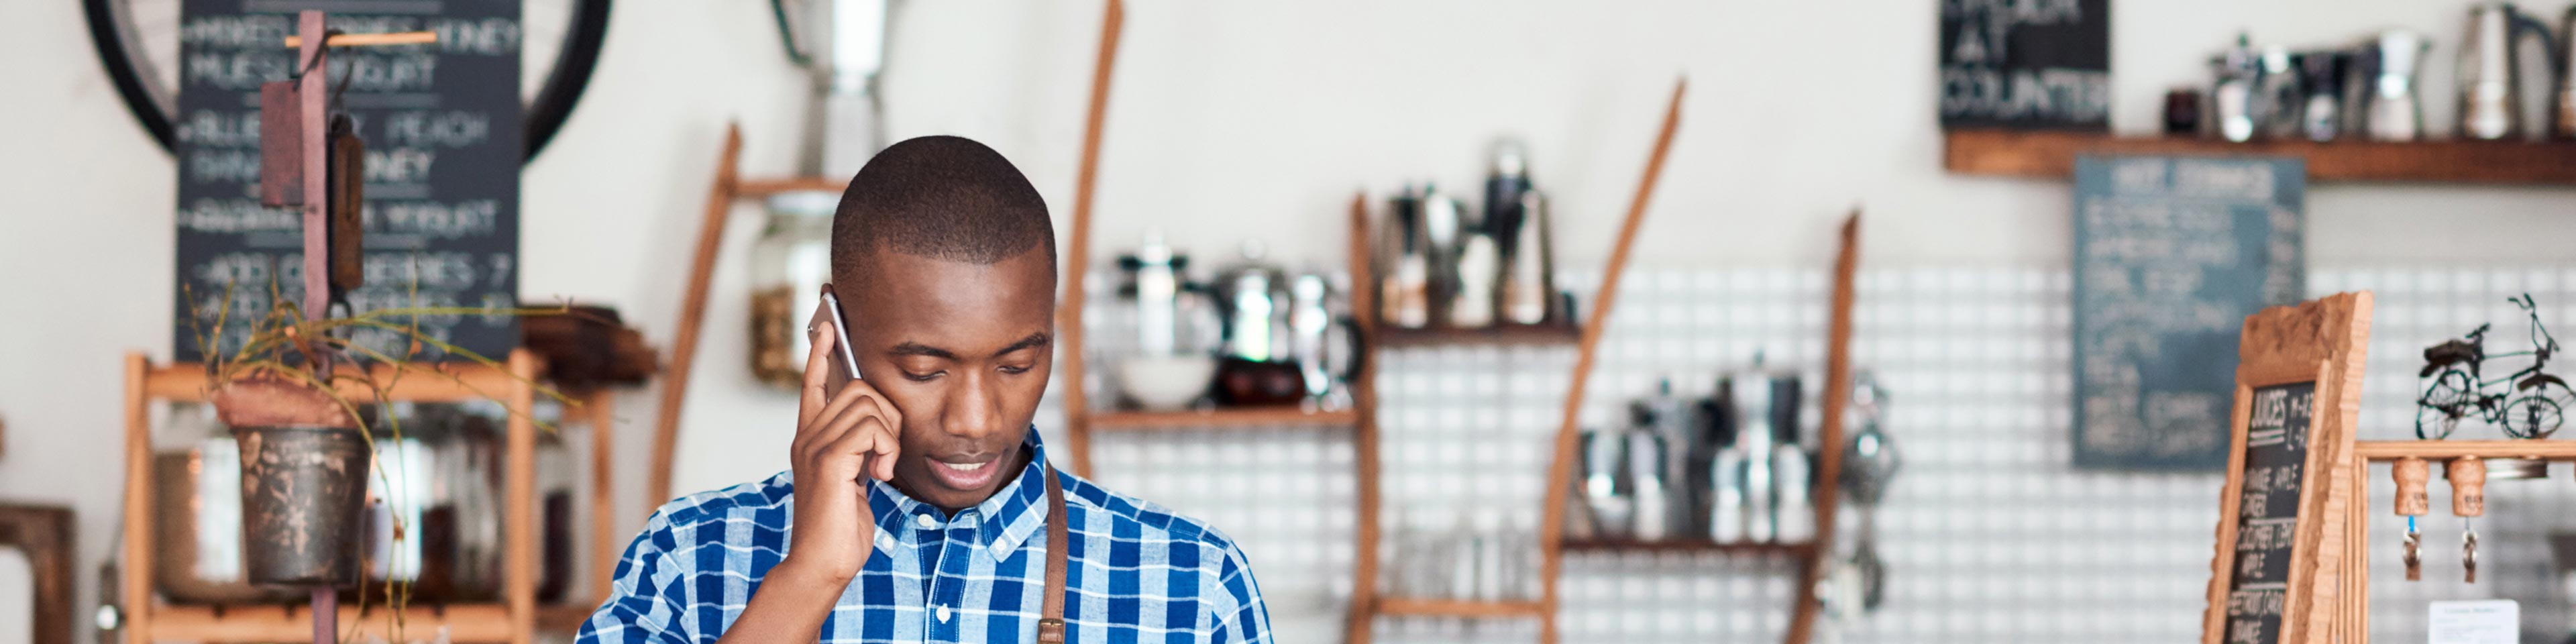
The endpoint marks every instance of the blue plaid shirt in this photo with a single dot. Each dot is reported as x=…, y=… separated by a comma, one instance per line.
x=1136, y=571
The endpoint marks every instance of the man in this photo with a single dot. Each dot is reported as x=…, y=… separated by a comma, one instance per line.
x=917, y=505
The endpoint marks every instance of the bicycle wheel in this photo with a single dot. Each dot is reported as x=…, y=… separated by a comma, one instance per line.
x=2532, y=416
x=2434, y=424
x=138, y=42
x=2443, y=403
x=2451, y=389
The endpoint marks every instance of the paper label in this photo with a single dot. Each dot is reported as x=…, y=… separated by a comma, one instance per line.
x=2493, y=621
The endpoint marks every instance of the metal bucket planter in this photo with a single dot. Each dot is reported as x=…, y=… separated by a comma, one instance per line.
x=304, y=467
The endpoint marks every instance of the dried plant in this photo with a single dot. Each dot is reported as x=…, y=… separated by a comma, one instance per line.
x=280, y=344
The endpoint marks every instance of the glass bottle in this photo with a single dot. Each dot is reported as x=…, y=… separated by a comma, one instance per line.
x=789, y=265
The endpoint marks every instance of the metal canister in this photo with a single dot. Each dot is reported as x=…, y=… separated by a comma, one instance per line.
x=1605, y=493
x=1651, y=490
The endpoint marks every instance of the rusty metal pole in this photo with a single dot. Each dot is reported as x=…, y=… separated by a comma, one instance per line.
x=313, y=87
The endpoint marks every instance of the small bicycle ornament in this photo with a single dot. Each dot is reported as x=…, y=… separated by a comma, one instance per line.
x=2532, y=407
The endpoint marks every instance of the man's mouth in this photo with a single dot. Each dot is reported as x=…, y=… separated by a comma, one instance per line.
x=966, y=475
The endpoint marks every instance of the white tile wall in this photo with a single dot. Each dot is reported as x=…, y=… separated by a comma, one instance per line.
x=1989, y=535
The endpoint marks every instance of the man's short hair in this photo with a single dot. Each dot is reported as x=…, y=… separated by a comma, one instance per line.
x=941, y=197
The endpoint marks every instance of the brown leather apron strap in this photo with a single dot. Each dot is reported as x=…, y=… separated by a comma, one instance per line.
x=1051, y=617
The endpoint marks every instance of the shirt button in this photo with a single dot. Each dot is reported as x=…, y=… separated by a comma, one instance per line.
x=885, y=541
x=943, y=614
x=925, y=521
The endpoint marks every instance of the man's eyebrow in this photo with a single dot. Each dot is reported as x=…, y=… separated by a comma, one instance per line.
x=1038, y=339
x=919, y=349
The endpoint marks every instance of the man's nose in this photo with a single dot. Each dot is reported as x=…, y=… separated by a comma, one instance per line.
x=974, y=410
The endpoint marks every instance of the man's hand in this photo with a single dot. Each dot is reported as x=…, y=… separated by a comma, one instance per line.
x=840, y=438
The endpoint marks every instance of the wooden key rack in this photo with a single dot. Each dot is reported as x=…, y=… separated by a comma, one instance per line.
x=2293, y=543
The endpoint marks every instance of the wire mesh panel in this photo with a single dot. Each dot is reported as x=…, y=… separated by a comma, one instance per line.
x=1988, y=534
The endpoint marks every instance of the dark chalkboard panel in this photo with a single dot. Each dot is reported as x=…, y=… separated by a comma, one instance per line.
x=2171, y=254
x=443, y=134
x=2026, y=64
x=2267, y=511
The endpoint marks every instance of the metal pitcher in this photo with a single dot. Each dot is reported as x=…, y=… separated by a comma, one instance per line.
x=2565, y=124
x=2394, y=113
x=2490, y=77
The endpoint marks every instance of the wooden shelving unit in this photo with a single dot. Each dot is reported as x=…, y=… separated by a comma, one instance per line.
x=1366, y=605
x=2553, y=450
x=514, y=620
x=1236, y=417
x=482, y=622
x=2052, y=155
x=759, y=188
x=1562, y=332
x=1801, y=549
x=729, y=188
x=1412, y=607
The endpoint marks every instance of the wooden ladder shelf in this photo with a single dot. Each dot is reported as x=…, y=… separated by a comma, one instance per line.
x=514, y=620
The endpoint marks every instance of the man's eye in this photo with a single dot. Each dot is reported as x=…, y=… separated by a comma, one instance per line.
x=922, y=377
x=1015, y=369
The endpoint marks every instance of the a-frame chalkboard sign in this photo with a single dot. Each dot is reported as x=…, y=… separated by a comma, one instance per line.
x=2281, y=573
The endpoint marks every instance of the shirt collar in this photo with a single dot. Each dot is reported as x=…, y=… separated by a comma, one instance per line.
x=1004, y=521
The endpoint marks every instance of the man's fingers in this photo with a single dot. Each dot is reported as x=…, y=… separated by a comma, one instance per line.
x=885, y=407
x=885, y=459
x=869, y=439
x=851, y=397
x=818, y=365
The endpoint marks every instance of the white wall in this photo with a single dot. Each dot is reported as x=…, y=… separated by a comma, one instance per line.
x=1228, y=121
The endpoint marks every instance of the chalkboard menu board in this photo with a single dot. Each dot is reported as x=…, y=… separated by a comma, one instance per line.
x=2026, y=64
x=2171, y=254
x=2267, y=511
x=442, y=128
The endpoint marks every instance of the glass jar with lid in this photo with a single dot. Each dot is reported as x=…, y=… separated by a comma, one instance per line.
x=789, y=264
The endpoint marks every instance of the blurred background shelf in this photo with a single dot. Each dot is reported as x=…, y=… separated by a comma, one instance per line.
x=1623, y=545
x=1222, y=417
x=2052, y=155
x=486, y=622
x=1564, y=333
x=763, y=187
x=1410, y=607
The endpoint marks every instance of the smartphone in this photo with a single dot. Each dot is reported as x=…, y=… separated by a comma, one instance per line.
x=845, y=361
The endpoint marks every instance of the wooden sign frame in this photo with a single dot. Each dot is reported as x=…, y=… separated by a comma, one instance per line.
x=44, y=533
x=2324, y=342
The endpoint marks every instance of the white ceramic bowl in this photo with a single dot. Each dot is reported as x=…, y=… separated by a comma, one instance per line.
x=1166, y=383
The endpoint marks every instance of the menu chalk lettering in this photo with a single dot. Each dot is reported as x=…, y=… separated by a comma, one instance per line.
x=2171, y=253
x=441, y=170
x=2028, y=64
x=2267, y=515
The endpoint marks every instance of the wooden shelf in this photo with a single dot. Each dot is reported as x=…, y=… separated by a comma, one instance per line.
x=271, y=623
x=2544, y=449
x=1409, y=607
x=148, y=620
x=1620, y=545
x=1565, y=333
x=2052, y=155
x=564, y=619
x=758, y=188
x=1220, y=417
x=421, y=382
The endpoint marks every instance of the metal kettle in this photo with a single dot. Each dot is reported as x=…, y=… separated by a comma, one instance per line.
x=1254, y=364
x=2490, y=77
x=2393, y=111
x=2565, y=125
